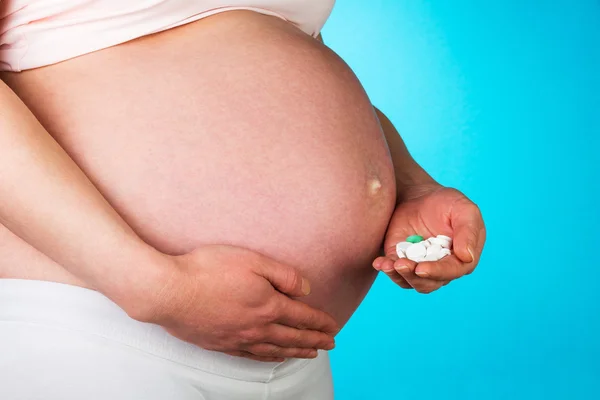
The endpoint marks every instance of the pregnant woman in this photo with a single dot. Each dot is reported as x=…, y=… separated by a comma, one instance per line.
x=193, y=199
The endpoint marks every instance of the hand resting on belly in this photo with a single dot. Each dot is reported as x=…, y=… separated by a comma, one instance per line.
x=219, y=297
x=238, y=130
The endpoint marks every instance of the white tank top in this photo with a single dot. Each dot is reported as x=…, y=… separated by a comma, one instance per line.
x=35, y=33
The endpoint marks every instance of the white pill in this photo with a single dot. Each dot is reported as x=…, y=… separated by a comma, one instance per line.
x=401, y=249
x=444, y=253
x=437, y=241
x=434, y=249
x=442, y=242
x=416, y=251
x=426, y=243
x=403, y=245
x=432, y=257
x=446, y=238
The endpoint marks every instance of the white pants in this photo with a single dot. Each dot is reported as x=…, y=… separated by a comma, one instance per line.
x=62, y=342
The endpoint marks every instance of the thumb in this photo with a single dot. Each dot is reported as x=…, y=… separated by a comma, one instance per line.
x=285, y=279
x=467, y=225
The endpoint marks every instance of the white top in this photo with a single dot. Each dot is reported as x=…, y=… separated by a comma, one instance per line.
x=35, y=33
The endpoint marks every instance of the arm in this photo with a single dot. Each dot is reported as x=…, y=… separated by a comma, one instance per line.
x=409, y=174
x=48, y=201
x=423, y=205
x=439, y=210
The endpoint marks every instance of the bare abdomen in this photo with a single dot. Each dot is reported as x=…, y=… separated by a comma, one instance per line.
x=236, y=129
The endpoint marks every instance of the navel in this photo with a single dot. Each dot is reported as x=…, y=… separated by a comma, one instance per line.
x=374, y=186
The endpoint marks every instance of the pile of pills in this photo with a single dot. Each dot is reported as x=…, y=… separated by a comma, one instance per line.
x=418, y=250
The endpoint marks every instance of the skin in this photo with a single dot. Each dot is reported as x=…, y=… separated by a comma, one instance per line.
x=261, y=322
x=428, y=212
x=177, y=281
x=136, y=204
x=425, y=207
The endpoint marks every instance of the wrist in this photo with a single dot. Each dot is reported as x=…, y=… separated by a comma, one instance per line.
x=167, y=291
x=135, y=285
x=413, y=182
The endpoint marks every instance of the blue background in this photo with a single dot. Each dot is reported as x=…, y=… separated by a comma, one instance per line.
x=501, y=100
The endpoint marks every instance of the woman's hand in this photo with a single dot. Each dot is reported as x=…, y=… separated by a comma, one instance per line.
x=235, y=301
x=430, y=210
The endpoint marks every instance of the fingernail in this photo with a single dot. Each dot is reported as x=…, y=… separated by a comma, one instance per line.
x=422, y=274
x=305, y=286
x=387, y=268
x=330, y=346
x=471, y=253
x=403, y=269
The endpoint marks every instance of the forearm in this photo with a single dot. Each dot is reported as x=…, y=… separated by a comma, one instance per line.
x=409, y=173
x=50, y=203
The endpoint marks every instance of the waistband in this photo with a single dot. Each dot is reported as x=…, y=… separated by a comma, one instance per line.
x=79, y=309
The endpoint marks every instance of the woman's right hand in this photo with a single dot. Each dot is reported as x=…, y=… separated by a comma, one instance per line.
x=237, y=301
x=219, y=297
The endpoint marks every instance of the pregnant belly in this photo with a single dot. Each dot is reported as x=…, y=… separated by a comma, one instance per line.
x=236, y=129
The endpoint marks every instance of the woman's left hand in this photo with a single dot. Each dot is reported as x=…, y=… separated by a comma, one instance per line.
x=430, y=210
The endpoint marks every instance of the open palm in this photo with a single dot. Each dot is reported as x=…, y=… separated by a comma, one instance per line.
x=430, y=211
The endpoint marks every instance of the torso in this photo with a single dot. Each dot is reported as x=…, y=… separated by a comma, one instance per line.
x=238, y=129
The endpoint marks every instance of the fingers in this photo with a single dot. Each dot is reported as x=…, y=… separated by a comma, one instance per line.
x=296, y=314
x=251, y=356
x=285, y=279
x=469, y=236
x=271, y=350
x=380, y=262
x=446, y=269
x=398, y=279
x=281, y=342
x=406, y=269
x=468, y=227
x=386, y=265
x=285, y=336
x=391, y=253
